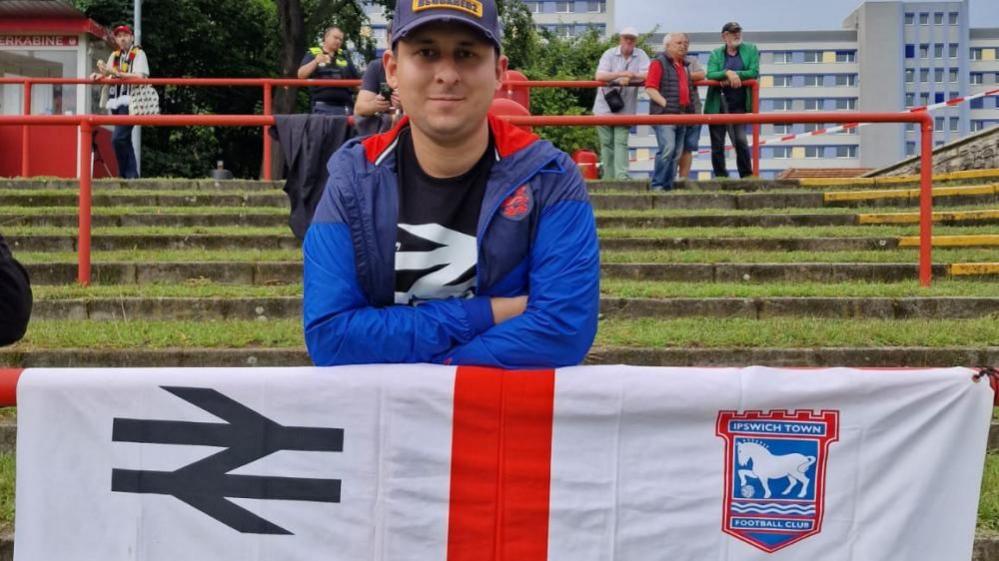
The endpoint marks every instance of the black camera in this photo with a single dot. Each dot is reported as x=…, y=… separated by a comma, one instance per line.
x=385, y=91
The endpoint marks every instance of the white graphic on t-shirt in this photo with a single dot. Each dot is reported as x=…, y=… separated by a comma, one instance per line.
x=458, y=252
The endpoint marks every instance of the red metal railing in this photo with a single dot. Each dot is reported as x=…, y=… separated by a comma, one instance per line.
x=87, y=122
x=268, y=85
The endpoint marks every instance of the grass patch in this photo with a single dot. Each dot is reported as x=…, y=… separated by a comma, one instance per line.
x=797, y=333
x=988, y=504
x=940, y=255
x=130, y=210
x=25, y=231
x=166, y=256
x=794, y=232
x=162, y=334
x=140, y=192
x=6, y=491
x=765, y=211
x=193, y=289
x=655, y=289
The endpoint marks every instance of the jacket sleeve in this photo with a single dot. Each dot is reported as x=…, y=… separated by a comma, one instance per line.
x=716, y=66
x=560, y=322
x=752, y=70
x=15, y=298
x=341, y=325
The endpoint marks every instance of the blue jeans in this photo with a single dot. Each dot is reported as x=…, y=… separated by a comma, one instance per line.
x=121, y=140
x=323, y=108
x=670, y=139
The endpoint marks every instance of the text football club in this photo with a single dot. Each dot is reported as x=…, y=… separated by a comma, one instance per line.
x=775, y=474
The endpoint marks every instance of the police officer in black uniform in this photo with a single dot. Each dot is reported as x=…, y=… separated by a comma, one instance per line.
x=330, y=61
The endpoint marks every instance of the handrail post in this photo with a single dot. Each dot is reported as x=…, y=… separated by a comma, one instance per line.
x=268, y=110
x=756, y=129
x=25, y=132
x=83, y=236
x=926, y=201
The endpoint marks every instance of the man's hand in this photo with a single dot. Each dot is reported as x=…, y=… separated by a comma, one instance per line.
x=323, y=58
x=733, y=79
x=507, y=308
x=623, y=80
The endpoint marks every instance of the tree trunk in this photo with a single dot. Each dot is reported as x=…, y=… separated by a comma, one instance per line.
x=291, y=19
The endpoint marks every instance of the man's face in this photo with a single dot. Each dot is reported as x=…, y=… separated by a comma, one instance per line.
x=332, y=40
x=732, y=38
x=675, y=48
x=446, y=76
x=684, y=45
x=123, y=40
x=627, y=43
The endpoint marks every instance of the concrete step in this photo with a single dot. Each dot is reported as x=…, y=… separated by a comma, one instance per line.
x=710, y=185
x=171, y=184
x=284, y=272
x=748, y=244
x=165, y=199
x=667, y=356
x=101, y=242
x=122, y=309
x=70, y=220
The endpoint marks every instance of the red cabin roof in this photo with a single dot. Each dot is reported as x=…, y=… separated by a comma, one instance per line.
x=47, y=16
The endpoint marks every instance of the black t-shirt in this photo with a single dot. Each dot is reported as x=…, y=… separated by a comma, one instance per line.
x=436, y=249
x=340, y=68
x=735, y=97
x=374, y=76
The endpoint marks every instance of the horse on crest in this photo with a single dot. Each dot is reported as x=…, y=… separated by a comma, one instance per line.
x=767, y=466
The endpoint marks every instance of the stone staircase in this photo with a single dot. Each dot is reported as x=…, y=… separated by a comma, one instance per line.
x=782, y=273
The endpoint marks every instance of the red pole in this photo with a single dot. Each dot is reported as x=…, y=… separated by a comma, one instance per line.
x=83, y=241
x=268, y=109
x=8, y=386
x=25, y=138
x=926, y=202
x=756, y=129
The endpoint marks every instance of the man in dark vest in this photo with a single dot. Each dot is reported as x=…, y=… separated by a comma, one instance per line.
x=330, y=61
x=671, y=91
x=15, y=297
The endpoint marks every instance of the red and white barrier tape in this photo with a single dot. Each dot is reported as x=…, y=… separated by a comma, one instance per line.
x=850, y=126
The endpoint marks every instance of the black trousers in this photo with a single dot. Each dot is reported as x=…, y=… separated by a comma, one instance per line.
x=738, y=135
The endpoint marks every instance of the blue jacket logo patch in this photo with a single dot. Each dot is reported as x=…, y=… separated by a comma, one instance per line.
x=519, y=204
x=775, y=474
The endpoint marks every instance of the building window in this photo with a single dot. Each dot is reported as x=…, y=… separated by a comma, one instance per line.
x=782, y=104
x=910, y=18
x=813, y=105
x=953, y=75
x=910, y=75
x=938, y=50
x=955, y=124
x=782, y=128
x=910, y=100
x=535, y=7
x=846, y=56
x=977, y=78
x=938, y=123
x=938, y=18
x=910, y=51
x=813, y=151
x=938, y=97
x=938, y=75
x=924, y=98
x=976, y=54
x=977, y=125
x=783, y=57
x=910, y=127
x=910, y=148
x=924, y=51
x=782, y=152
x=846, y=79
x=596, y=6
x=813, y=56
x=813, y=80
x=812, y=127
x=952, y=50
x=952, y=18
x=978, y=103
x=938, y=143
x=848, y=104
x=782, y=81
x=924, y=18
x=563, y=7
x=924, y=75
x=846, y=151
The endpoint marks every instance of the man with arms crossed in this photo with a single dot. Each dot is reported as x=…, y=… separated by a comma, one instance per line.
x=454, y=238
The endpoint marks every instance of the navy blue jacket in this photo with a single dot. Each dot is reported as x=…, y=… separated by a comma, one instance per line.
x=536, y=236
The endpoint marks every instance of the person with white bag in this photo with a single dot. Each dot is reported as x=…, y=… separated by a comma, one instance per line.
x=128, y=61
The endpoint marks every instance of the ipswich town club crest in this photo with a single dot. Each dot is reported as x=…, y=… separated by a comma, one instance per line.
x=775, y=474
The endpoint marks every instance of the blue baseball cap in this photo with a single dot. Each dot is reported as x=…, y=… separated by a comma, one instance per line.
x=478, y=14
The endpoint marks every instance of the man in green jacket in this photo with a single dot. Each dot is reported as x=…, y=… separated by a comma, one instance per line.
x=731, y=64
